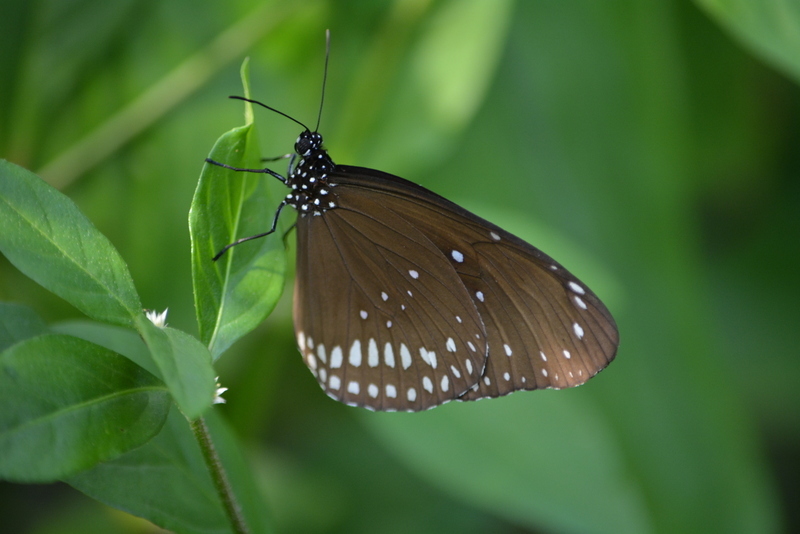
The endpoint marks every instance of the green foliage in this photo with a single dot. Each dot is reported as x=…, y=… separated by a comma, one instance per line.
x=69, y=404
x=76, y=408
x=234, y=294
x=167, y=482
x=49, y=240
x=560, y=438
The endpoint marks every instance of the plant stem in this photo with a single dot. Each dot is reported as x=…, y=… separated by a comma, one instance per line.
x=219, y=476
x=162, y=97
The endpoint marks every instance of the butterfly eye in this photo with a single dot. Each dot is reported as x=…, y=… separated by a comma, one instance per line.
x=303, y=145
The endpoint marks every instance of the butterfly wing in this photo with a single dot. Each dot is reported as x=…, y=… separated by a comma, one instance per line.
x=381, y=320
x=544, y=327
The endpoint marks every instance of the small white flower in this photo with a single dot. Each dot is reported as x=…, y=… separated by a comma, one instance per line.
x=158, y=319
x=218, y=393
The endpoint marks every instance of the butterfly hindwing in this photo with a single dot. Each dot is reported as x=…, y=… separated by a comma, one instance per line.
x=545, y=328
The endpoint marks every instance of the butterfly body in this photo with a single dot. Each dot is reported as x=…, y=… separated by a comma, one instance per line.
x=405, y=301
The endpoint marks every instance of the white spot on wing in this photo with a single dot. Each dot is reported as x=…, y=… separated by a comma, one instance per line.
x=471, y=346
x=372, y=390
x=428, y=356
x=508, y=349
x=544, y=358
x=456, y=372
x=411, y=394
x=310, y=342
x=567, y=355
x=459, y=257
x=301, y=341
x=321, y=353
x=494, y=236
x=355, y=353
x=468, y=363
x=388, y=355
x=312, y=361
x=335, y=383
x=373, y=358
x=427, y=384
x=451, y=345
x=579, y=301
x=364, y=314
x=414, y=274
x=578, y=330
x=445, y=383
x=479, y=294
x=384, y=296
x=405, y=356
x=576, y=288
x=353, y=387
x=336, y=357
x=507, y=376
x=391, y=391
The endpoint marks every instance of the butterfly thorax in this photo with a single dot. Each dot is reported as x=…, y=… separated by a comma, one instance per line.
x=311, y=191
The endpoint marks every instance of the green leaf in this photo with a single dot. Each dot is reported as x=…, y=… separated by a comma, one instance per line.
x=69, y=404
x=167, y=482
x=771, y=28
x=18, y=322
x=46, y=237
x=184, y=364
x=234, y=294
x=560, y=469
x=121, y=340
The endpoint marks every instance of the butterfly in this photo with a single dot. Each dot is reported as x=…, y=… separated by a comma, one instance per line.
x=404, y=301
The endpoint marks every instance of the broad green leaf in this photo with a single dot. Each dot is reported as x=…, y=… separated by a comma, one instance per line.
x=183, y=363
x=770, y=27
x=234, y=294
x=545, y=460
x=46, y=237
x=121, y=340
x=18, y=322
x=68, y=404
x=167, y=482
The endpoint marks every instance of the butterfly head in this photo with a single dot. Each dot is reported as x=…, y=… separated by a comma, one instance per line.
x=308, y=143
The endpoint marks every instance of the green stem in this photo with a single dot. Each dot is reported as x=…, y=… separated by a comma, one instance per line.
x=163, y=96
x=219, y=476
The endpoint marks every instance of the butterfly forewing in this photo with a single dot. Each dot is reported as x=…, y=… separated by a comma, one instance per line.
x=544, y=327
x=381, y=318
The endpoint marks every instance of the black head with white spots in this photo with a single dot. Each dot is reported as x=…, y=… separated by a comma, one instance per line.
x=311, y=191
x=308, y=142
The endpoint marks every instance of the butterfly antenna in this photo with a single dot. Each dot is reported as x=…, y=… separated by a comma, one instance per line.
x=324, y=75
x=271, y=109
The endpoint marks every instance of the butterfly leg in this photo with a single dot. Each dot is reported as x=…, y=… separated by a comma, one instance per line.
x=250, y=238
x=277, y=158
x=261, y=171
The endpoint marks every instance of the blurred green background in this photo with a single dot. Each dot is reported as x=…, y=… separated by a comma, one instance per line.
x=651, y=147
